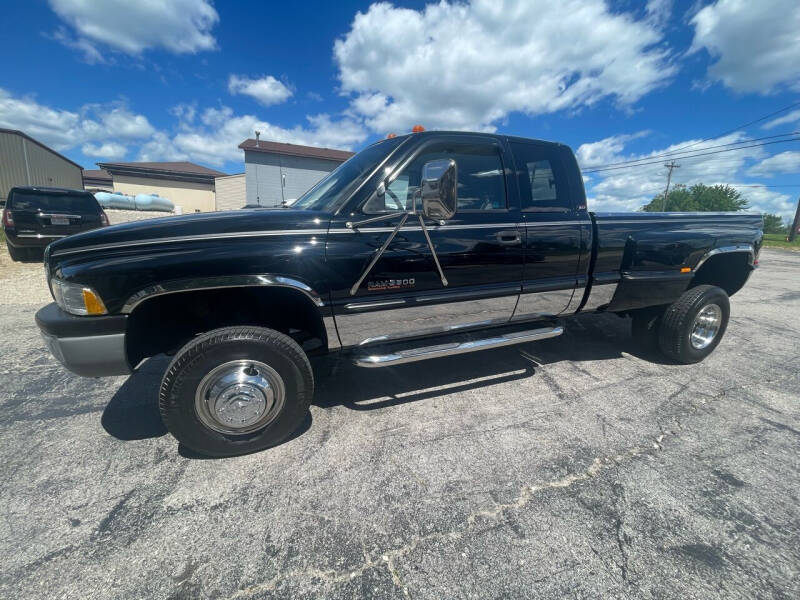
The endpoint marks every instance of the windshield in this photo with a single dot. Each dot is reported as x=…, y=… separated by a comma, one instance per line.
x=334, y=189
x=77, y=202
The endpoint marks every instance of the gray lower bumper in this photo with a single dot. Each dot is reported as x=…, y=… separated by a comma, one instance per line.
x=91, y=356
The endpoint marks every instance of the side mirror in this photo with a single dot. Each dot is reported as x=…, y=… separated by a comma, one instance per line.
x=438, y=188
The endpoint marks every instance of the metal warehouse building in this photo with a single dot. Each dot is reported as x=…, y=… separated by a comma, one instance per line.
x=276, y=172
x=25, y=161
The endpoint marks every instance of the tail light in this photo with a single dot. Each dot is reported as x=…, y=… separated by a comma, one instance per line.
x=104, y=219
x=8, y=218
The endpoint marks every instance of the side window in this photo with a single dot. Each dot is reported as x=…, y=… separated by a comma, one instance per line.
x=541, y=178
x=481, y=185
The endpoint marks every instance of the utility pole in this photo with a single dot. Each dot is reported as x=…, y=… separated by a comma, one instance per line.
x=670, y=165
x=795, y=223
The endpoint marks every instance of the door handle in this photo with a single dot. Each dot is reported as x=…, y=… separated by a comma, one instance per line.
x=509, y=238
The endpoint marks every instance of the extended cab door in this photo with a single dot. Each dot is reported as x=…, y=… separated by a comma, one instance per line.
x=480, y=250
x=557, y=229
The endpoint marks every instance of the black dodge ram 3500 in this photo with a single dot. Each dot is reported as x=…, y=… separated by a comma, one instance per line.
x=419, y=246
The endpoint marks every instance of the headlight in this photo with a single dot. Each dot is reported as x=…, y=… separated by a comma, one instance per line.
x=77, y=299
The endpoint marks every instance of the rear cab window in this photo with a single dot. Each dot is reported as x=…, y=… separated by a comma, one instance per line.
x=41, y=201
x=541, y=178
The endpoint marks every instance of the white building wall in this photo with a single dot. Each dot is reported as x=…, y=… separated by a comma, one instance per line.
x=230, y=192
x=190, y=196
x=272, y=178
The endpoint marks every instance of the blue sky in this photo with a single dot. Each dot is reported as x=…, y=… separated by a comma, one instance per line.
x=114, y=80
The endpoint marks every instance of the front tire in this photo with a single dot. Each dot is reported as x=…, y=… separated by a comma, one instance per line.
x=236, y=390
x=693, y=326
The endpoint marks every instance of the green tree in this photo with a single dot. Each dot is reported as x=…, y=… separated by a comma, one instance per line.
x=774, y=224
x=699, y=197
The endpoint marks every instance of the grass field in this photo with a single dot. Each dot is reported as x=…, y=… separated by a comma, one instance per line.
x=778, y=240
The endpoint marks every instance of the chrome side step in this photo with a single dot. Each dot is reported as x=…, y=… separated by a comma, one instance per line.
x=449, y=349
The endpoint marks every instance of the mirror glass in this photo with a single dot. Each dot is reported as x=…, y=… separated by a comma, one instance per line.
x=438, y=189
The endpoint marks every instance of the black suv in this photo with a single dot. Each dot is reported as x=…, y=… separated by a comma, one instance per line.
x=35, y=216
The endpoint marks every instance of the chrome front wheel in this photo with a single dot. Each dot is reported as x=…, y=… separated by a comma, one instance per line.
x=239, y=397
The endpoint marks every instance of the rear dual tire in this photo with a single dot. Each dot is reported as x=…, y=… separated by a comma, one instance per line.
x=236, y=390
x=689, y=329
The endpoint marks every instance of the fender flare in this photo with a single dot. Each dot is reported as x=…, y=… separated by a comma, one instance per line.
x=193, y=284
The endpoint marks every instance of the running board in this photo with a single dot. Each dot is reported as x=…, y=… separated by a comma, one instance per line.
x=426, y=352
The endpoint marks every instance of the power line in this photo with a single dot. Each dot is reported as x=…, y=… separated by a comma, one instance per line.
x=672, y=153
x=692, y=155
x=758, y=185
x=737, y=128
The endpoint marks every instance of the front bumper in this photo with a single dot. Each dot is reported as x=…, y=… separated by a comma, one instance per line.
x=87, y=346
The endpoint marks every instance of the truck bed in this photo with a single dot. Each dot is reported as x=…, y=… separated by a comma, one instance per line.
x=645, y=253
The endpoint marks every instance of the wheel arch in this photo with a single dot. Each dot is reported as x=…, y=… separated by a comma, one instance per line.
x=163, y=317
x=728, y=268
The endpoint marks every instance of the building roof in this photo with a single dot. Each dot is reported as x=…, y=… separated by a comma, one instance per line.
x=295, y=150
x=97, y=175
x=38, y=143
x=176, y=171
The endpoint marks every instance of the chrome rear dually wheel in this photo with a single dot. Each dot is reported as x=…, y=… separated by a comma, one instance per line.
x=706, y=326
x=693, y=326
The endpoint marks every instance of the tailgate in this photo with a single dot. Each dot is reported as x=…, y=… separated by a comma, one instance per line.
x=54, y=213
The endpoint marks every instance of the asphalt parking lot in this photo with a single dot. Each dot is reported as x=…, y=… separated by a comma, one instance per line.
x=572, y=467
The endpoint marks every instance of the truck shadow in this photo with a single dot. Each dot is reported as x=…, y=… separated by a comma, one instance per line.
x=586, y=338
x=132, y=413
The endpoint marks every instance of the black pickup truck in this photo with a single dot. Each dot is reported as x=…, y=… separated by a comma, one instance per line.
x=419, y=246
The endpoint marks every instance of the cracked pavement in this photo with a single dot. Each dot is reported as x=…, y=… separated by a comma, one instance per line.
x=579, y=466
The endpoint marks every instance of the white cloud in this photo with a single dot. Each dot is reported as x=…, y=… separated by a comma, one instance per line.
x=91, y=54
x=210, y=136
x=455, y=65
x=214, y=136
x=629, y=188
x=606, y=150
x=755, y=43
x=764, y=200
x=179, y=26
x=63, y=129
x=267, y=90
x=785, y=162
x=121, y=123
x=658, y=11
x=792, y=117
x=107, y=151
